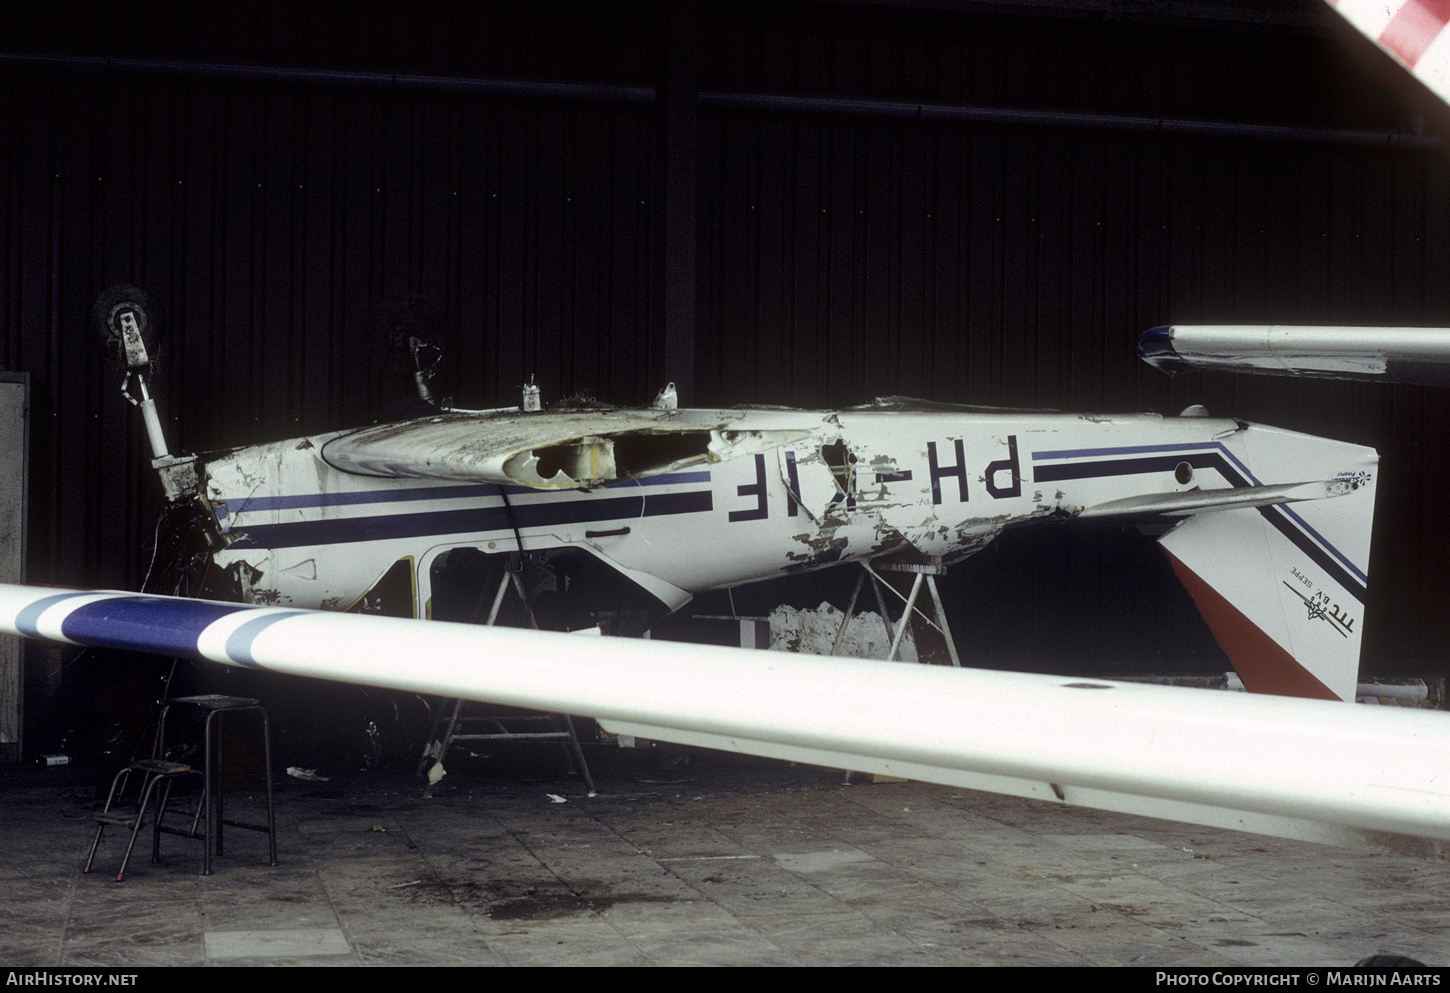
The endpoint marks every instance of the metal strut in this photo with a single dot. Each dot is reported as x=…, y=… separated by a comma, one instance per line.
x=927, y=570
x=504, y=727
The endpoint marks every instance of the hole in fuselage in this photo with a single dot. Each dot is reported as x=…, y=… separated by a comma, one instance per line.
x=842, y=463
x=638, y=454
x=559, y=458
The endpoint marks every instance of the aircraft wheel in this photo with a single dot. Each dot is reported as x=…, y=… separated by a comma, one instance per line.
x=106, y=318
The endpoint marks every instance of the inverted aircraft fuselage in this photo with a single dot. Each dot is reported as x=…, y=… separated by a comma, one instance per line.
x=683, y=501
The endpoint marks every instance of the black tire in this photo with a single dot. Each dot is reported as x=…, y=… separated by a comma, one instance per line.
x=105, y=318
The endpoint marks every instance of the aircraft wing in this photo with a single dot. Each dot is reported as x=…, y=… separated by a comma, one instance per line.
x=574, y=449
x=1378, y=354
x=1414, y=33
x=1292, y=767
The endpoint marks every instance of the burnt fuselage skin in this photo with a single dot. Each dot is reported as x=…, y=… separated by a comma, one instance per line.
x=893, y=479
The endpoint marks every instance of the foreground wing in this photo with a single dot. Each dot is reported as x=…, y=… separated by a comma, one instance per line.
x=1381, y=355
x=1411, y=31
x=1298, y=768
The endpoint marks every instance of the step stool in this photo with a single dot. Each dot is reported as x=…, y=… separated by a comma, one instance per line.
x=211, y=709
x=157, y=771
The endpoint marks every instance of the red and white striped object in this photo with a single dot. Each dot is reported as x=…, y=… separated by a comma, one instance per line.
x=1413, y=31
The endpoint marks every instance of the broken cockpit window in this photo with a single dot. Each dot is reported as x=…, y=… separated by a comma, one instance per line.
x=594, y=460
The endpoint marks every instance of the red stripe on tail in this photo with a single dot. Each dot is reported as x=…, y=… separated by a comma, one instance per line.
x=1261, y=663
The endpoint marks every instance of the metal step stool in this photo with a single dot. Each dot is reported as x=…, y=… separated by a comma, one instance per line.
x=157, y=772
x=211, y=710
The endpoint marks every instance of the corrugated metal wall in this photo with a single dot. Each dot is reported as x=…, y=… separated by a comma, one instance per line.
x=844, y=251
x=848, y=255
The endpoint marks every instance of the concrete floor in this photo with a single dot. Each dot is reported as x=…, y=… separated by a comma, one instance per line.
x=728, y=862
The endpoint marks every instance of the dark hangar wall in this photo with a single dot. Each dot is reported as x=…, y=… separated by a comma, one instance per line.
x=808, y=203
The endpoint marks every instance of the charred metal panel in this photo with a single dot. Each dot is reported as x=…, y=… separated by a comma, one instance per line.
x=848, y=255
x=273, y=219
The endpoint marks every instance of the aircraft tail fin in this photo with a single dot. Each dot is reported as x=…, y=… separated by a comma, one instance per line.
x=1283, y=586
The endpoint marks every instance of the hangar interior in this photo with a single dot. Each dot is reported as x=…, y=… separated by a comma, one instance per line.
x=809, y=204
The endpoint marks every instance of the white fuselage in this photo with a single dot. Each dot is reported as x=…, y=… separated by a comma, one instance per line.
x=859, y=484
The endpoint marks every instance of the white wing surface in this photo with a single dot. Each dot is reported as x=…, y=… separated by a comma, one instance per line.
x=1411, y=31
x=1414, y=33
x=1299, y=768
x=1369, y=354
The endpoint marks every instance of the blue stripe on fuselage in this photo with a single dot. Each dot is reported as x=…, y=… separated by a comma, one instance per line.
x=473, y=520
x=1312, y=544
x=1132, y=467
x=352, y=498
x=1197, y=446
x=404, y=494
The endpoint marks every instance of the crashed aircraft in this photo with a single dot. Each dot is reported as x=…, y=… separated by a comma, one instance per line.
x=1268, y=529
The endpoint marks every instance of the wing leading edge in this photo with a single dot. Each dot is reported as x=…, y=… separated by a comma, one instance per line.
x=1297, y=768
x=1368, y=354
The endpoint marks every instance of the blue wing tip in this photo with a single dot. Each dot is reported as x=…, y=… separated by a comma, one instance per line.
x=1155, y=347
